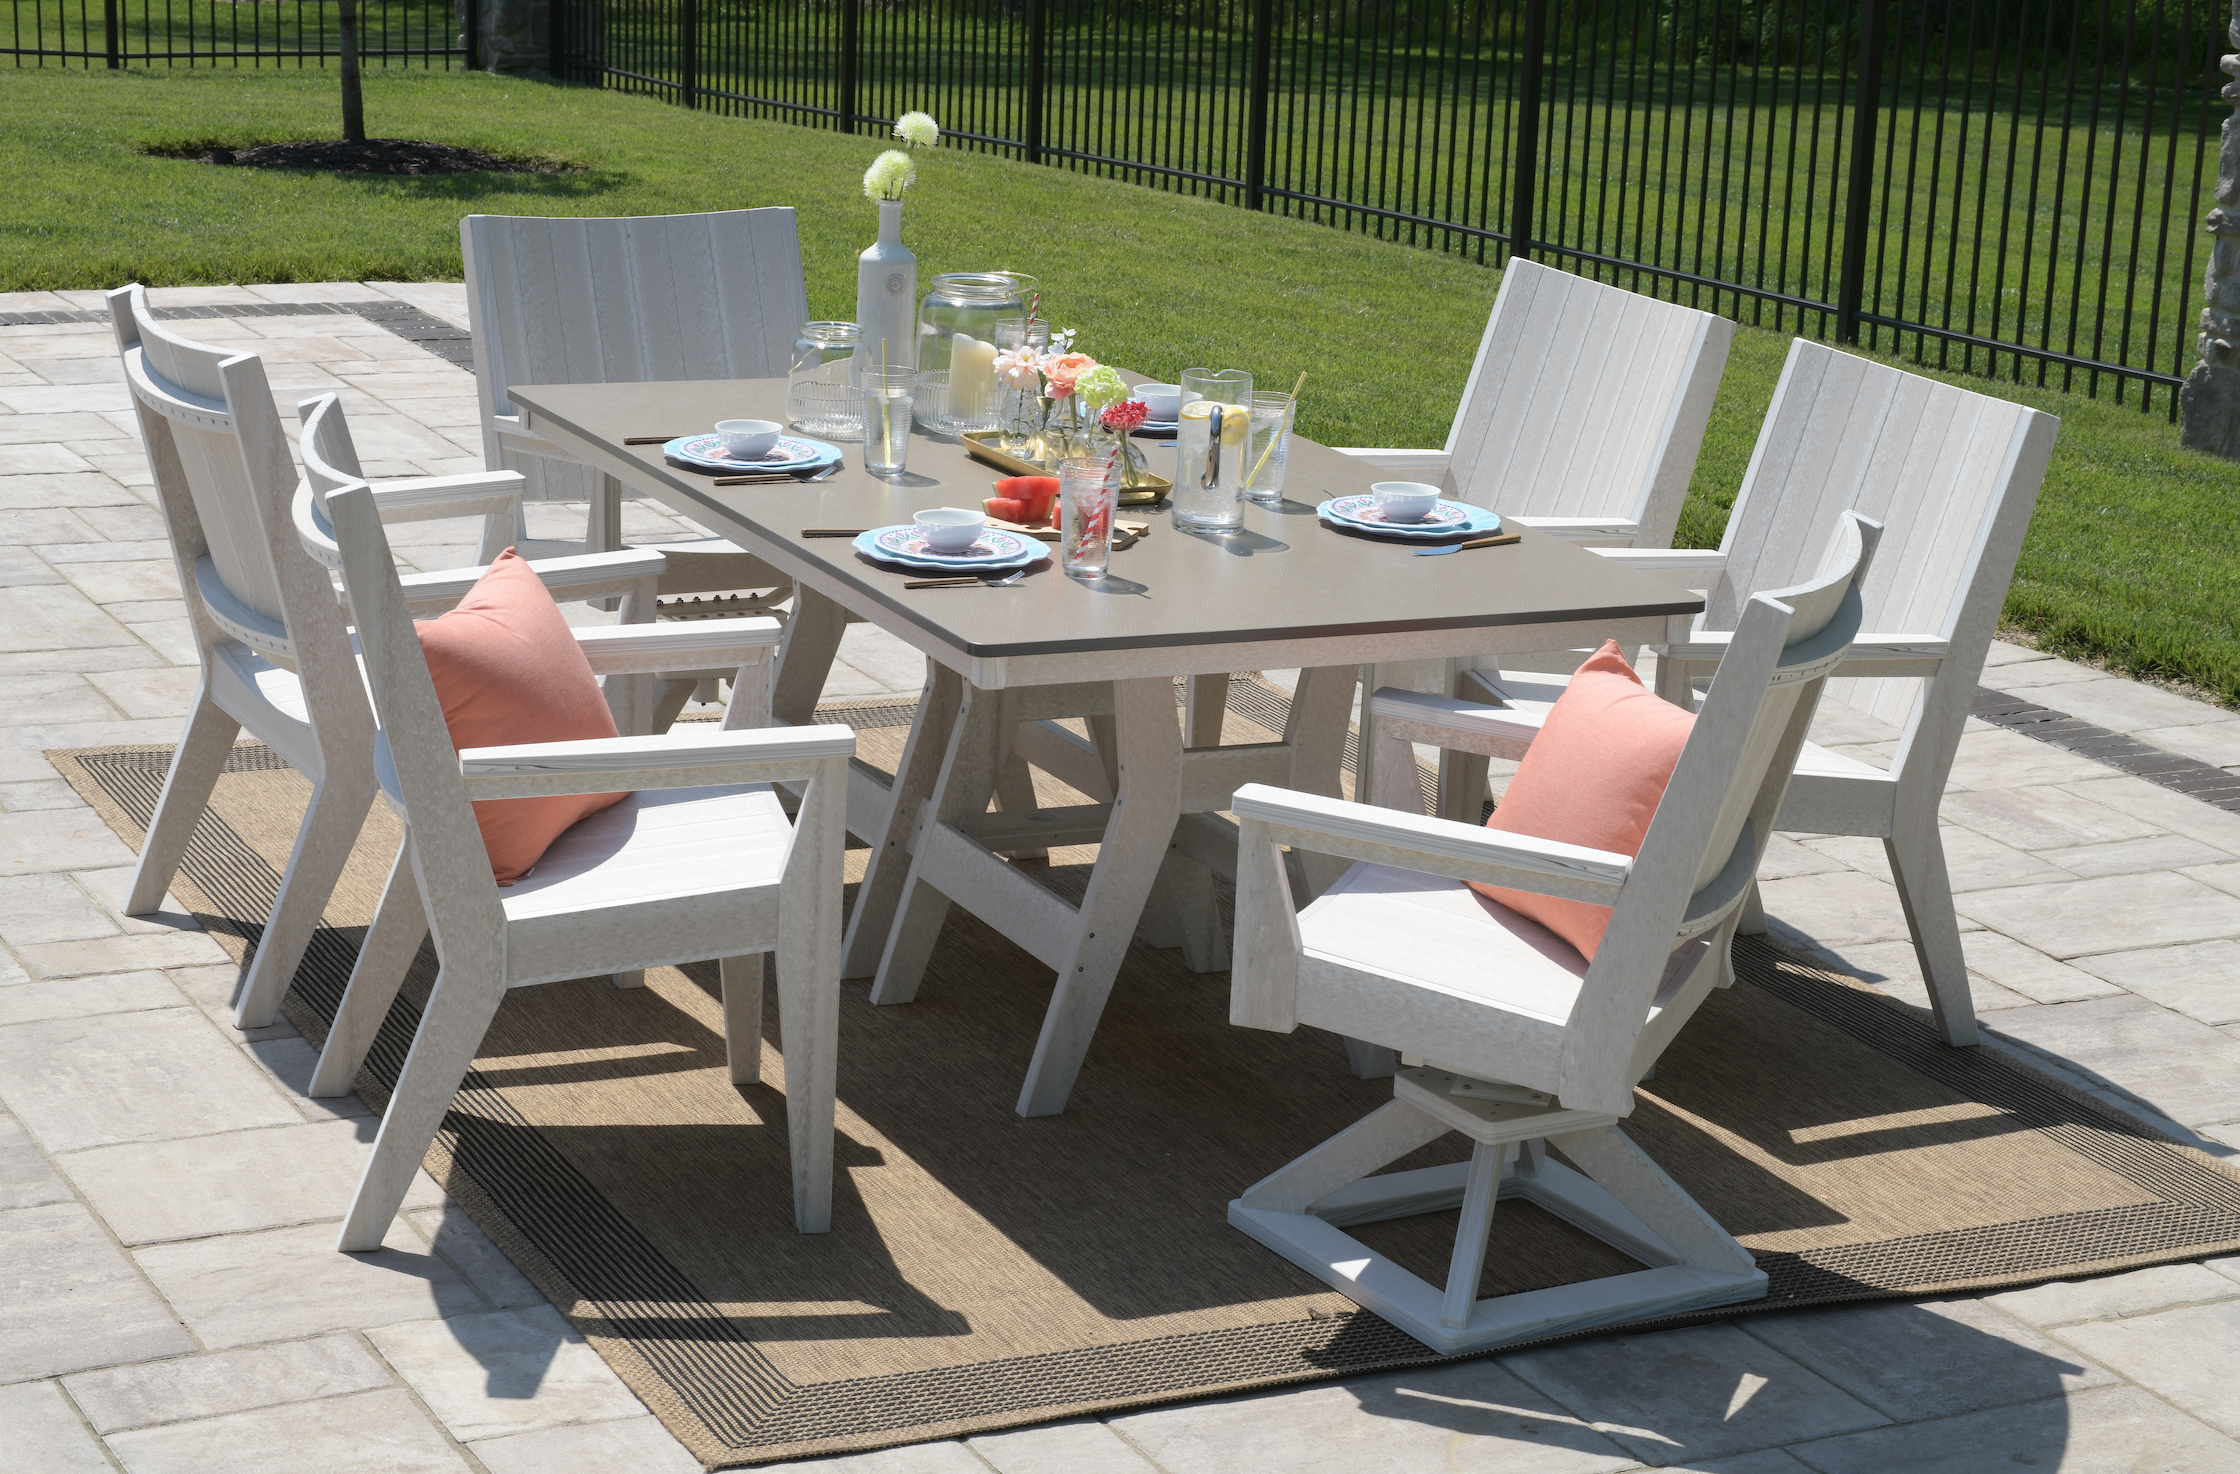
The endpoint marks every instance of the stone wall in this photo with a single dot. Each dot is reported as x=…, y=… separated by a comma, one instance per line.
x=516, y=35
x=2210, y=400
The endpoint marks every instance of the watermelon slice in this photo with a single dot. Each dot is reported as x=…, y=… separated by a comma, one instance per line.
x=1037, y=494
x=1007, y=509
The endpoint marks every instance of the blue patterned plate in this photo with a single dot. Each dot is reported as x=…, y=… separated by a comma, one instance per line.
x=1447, y=519
x=792, y=453
x=906, y=547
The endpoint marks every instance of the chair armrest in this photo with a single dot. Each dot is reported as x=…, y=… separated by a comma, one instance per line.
x=575, y=578
x=1334, y=826
x=702, y=759
x=1458, y=726
x=1618, y=532
x=1870, y=655
x=517, y=436
x=424, y=498
x=1392, y=458
x=630, y=649
x=1690, y=568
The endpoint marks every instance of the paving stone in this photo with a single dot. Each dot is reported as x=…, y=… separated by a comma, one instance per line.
x=1837, y=723
x=20, y=568
x=507, y=1371
x=143, y=579
x=2175, y=813
x=1974, y=861
x=234, y=1182
x=638, y=1445
x=918, y=1458
x=78, y=1083
x=370, y=1433
x=1083, y=1447
x=82, y=489
x=159, y=691
x=2075, y=918
x=141, y=949
x=62, y=397
x=2225, y=877
x=124, y=524
x=26, y=1181
x=1930, y=1359
x=1703, y=1392
x=1895, y=968
x=2187, y=1355
x=62, y=552
x=194, y=1387
x=123, y=992
x=243, y=1289
x=1839, y=909
x=54, y=618
x=2183, y=1068
x=75, y=370
x=2229, y=1267
x=444, y=300
x=2133, y=856
x=50, y=696
x=2201, y=980
x=26, y=527
x=2042, y=818
x=1764, y=1461
x=2051, y=671
x=291, y=1061
x=2006, y=652
x=1467, y=1416
x=77, y=662
x=49, y=907
x=32, y=460
x=59, y=428
x=1786, y=856
x=457, y=1238
x=2115, y=1430
x=2134, y=1292
x=884, y=658
x=45, y=1434
x=2214, y=743
x=2029, y=972
x=2122, y=705
x=172, y=639
x=72, y=1300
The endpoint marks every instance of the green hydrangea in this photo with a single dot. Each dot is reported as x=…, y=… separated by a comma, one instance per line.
x=1100, y=388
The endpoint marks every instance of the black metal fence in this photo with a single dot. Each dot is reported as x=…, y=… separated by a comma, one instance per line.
x=2013, y=187
x=250, y=33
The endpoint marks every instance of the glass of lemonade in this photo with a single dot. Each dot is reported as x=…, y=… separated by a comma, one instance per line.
x=887, y=395
x=1270, y=447
x=1211, y=439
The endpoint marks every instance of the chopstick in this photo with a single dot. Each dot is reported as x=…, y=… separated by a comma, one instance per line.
x=764, y=479
x=1502, y=540
x=834, y=531
x=940, y=583
x=649, y=439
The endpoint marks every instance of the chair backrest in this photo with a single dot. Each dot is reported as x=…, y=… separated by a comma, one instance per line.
x=1586, y=401
x=1954, y=472
x=629, y=300
x=1711, y=828
x=226, y=480
x=330, y=462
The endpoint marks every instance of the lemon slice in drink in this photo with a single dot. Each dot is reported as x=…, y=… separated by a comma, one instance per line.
x=1236, y=420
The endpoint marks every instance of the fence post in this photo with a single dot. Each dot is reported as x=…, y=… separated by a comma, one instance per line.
x=470, y=14
x=109, y=28
x=1866, y=110
x=1524, y=175
x=851, y=16
x=1256, y=137
x=1038, y=32
x=688, y=51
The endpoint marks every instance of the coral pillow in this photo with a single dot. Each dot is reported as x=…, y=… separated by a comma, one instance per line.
x=508, y=670
x=1592, y=777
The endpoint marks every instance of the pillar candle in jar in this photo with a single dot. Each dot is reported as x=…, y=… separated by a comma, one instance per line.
x=972, y=378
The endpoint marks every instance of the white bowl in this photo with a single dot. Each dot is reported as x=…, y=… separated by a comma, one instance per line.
x=749, y=440
x=1405, y=501
x=1164, y=401
x=950, y=529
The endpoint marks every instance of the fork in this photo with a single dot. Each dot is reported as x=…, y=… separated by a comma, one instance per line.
x=964, y=583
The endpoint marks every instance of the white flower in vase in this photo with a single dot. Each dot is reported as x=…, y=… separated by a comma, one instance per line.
x=917, y=129
x=889, y=175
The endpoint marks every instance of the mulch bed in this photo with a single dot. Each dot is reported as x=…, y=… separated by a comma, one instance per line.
x=374, y=156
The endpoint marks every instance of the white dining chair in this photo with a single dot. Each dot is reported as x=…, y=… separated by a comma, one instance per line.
x=1956, y=474
x=272, y=642
x=701, y=861
x=1508, y=1035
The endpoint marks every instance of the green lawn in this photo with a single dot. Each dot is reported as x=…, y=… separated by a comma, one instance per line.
x=2134, y=556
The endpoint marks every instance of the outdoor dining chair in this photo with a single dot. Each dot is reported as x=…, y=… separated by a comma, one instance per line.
x=1509, y=1034
x=701, y=861
x=1956, y=474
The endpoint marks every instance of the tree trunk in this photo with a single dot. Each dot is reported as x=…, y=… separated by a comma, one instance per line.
x=353, y=101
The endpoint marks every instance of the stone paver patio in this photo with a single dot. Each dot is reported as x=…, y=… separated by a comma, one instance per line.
x=168, y=1194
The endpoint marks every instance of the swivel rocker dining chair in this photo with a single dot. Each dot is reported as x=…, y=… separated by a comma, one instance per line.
x=1511, y=1036
x=275, y=651
x=700, y=861
x=1956, y=474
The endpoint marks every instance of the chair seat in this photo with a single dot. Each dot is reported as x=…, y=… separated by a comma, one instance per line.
x=1413, y=961
x=617, y=888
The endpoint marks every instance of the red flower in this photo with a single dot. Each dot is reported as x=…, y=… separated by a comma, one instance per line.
x=1125, y=415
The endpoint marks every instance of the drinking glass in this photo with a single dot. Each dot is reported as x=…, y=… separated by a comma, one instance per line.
x=1269, y=448
x=1088, y=489
x=1210, y=467
x=819, y=395
x=887, y=395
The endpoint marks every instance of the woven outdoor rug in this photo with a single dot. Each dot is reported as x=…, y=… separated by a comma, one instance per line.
x=985, y=1271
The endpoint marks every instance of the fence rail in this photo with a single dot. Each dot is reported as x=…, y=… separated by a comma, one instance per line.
x=252, y=33
x=2012, y=187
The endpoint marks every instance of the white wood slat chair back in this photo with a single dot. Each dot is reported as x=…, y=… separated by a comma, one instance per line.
x=1509, y=1035
x=1958, y=473
x=700, y=862
x=274, y=648
x=1586, y=403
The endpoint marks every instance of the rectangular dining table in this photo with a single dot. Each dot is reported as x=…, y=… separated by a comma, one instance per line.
x=1284, y=591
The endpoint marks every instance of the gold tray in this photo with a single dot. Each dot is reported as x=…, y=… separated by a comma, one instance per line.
x=984, y=445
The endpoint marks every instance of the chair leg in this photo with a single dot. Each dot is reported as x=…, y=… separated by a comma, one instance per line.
x=195, y=766
x=669, y=704
x=809, y=943
x=1183, y=898
x=1015, y=795
x=1370, y=1061
x=458, y=1014
x=399, y=927
x=1479, y=1191
x=1753, y=920
x=330, y=831
x=742, y=1017
x=1925, y=890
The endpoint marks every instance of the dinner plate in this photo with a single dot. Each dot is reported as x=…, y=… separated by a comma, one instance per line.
x=906, y=545
x=793, y=454
x=1448, y=519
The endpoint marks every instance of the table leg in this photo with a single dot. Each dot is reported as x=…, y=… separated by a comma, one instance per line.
x=1143, y=819
x=916, y=780
x=812, y=638
x=1316, y=731
x=976, y=746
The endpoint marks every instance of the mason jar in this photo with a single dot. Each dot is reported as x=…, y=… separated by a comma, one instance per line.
x=957, y=348
x=821, y=397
